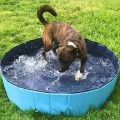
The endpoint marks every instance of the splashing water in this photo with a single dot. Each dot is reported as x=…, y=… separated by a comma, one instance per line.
x=32, y=73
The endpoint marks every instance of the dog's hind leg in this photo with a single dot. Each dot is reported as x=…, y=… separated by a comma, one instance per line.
x=45, y=49
x=47, y=46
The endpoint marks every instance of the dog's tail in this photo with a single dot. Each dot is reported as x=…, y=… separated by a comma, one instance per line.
x=41, y=10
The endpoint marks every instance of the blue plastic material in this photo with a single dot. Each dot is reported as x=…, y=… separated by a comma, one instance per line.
x=75, y=104
x=53, y=103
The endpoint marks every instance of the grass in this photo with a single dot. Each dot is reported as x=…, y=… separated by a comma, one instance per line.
x=98, y=20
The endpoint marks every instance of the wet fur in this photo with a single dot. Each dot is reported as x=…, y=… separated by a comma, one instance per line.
x=60, y=33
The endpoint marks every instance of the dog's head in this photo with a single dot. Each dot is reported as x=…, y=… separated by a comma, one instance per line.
x=67, y=54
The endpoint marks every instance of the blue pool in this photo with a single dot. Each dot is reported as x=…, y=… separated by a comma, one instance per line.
x=31, y=83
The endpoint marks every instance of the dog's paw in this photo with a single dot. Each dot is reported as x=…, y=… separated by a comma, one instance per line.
x=78, y=75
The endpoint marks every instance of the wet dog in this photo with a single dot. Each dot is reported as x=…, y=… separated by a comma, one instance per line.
x=70, y=43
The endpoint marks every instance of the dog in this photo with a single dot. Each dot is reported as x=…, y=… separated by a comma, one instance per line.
x=70, y=43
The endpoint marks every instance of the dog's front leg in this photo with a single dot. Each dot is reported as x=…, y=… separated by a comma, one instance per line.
x=83, y=63
x=79, y=72
x=54, y=49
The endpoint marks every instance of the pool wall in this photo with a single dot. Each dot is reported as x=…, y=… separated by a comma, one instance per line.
x=75, y=104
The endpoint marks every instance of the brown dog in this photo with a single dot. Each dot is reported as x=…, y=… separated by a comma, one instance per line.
x=63, y=36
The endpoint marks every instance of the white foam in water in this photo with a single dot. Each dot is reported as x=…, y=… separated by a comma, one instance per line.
x=52, y=84
x=85, y=74
x=105, y=62
x=33, y=73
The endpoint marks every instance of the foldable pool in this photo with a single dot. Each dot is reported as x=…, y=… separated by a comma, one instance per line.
x=32, y=84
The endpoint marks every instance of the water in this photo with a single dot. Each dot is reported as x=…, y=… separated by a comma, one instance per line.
x=34, y=74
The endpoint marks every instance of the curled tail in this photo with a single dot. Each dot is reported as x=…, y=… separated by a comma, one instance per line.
x=41, y=10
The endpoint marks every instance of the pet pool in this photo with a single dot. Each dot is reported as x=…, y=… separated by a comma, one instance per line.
x=32, y=84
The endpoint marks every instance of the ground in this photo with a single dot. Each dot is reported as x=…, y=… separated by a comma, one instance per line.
x=97, y=20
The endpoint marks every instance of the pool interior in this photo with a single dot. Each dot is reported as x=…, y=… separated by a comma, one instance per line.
x=26, y=69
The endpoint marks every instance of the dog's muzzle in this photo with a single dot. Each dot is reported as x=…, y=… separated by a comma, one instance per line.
x=64, y=65
x=63, y=69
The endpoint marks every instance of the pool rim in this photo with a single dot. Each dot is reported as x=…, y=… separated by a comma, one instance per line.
x=1, y=72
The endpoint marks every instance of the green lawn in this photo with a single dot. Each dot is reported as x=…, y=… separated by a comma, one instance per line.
x=98, y=20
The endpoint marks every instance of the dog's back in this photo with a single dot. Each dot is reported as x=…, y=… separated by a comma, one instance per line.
x=59, y=31
x=63, y=32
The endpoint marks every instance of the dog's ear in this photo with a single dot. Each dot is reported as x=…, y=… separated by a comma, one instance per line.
x=77, y=52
